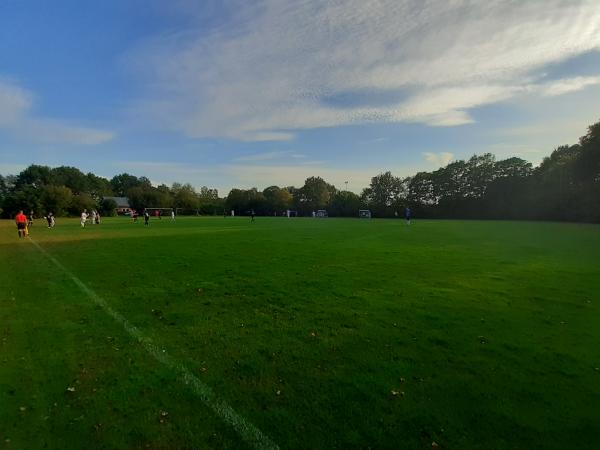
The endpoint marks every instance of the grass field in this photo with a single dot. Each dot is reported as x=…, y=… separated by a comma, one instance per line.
x=334, y=333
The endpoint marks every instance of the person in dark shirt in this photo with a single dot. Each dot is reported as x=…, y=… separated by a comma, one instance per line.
x=146, y=218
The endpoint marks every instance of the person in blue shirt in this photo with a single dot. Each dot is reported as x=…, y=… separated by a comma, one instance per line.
x=407, y=215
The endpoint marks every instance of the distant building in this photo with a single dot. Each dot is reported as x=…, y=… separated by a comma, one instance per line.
x=122, y=204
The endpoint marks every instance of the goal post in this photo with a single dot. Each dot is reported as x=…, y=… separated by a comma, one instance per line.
x=159, y=212
x=187, y=212
x=364, y=214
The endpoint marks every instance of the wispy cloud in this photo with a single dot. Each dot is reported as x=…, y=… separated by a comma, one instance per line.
x=438, y=159
x=270, y=156
x=14, y=103
x=16, y=118
x=568, y=85
x=11, y=169
x=278, y=68
x=265, y=156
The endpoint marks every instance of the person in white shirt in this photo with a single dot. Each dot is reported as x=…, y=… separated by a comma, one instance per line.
x=173, y=215
x=83, y=218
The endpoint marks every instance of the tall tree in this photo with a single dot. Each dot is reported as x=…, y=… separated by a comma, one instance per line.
x=345, y=204
x=122, y=183
x=185, y=196
x=314, y=195
x=35, y=176
x=57, y=199
x=277, y=199
x=72, y=178
x=383, y=193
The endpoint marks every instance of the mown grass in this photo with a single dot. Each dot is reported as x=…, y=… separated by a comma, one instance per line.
x=334, y=333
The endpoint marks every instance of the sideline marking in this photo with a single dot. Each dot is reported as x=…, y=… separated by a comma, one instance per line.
x=245, y=429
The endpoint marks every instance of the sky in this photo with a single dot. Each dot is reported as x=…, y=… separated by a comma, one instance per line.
x=240, y=93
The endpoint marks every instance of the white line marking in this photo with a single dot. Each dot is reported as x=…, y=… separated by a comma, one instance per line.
x=245, y=429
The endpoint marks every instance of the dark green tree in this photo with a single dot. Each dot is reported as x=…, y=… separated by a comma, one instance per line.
x=72, y=178
x=383, y=194
x=122, y=183
x=345, y=204
x=108, y=207
x=57, y=199
x=314, y=195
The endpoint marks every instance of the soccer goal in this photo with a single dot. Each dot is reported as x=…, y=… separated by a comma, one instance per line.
x=159, y=212
x=290, y=213
x=187, y=212
x=364, y=214
x=322, y=213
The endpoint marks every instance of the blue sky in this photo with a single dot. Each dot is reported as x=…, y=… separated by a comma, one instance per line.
x=239, y=94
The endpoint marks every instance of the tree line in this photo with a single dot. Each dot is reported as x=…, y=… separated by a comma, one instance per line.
x=565, y=186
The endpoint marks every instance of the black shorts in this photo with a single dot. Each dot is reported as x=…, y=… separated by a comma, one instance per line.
x=21, y=226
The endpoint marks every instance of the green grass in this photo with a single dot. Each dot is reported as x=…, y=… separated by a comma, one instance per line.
x=488, y=331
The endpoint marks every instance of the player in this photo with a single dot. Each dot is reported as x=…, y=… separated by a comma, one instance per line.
x=407, y=215
x=50, y=219
x=21, y=222
x=172, y=215
x=146, y=218
x=251, y=215
x=30, y=219
x=83, y=218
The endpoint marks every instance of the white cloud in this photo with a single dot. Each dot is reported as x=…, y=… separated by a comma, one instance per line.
x=17, y=119
x=568, y=85
x=11, y=169
x=14, y=102
x=271, y=71
x=266, y=156
x=440, y=159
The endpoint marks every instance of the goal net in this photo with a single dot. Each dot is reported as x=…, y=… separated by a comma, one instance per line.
x=159, y=212
x=322, y=213
x=187, y=212
x=364, y=214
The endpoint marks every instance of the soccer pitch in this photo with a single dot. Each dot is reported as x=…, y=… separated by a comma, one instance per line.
x=300, y=333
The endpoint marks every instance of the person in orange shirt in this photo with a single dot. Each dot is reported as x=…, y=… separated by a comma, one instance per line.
x=21, y=221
